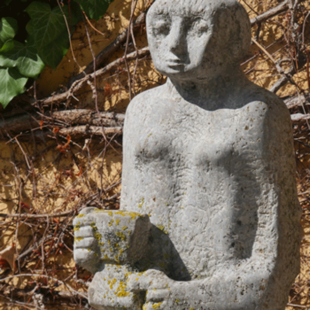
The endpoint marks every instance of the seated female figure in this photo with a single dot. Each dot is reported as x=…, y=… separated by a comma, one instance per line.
x=209, y=157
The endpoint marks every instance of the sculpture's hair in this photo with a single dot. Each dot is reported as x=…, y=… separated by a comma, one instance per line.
x=190, y=7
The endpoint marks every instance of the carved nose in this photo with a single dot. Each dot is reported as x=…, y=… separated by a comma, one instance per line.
x=177, y=40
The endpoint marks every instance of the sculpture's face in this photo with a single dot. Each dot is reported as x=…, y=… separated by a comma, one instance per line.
x=178, y=43
x=187, y=41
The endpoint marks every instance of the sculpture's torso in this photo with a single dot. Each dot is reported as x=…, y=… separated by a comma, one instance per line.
x=195, y=174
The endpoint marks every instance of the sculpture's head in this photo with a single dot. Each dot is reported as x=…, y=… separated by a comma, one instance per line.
x=197, y=39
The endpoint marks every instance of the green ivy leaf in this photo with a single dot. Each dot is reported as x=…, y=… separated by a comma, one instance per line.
x=12, y=83
x=94, y=9
x=46, y=24
x=53, y=53
x=49, y=31
x=22, y=56
x=8, y=29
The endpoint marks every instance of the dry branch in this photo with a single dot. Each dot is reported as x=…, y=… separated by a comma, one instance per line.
x=19, y=293
x=296, y=101
x=85, y=117
x=38, y=216
x=104, y=55
x=299, y=117
x=283, y=80
x=90, y=130
x=77, y=85
x=272, y=12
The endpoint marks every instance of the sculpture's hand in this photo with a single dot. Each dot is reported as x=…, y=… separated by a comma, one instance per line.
x=110, y=237
x=161, y=291
x=86, y=249
x=109, y=290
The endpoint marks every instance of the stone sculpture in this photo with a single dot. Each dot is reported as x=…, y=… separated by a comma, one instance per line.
x=209, y=213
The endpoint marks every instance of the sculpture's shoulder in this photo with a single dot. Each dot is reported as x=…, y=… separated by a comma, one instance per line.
x=144, y=103
x=267, y=106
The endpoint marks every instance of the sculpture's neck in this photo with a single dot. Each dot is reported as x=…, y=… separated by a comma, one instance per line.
x=210, y=93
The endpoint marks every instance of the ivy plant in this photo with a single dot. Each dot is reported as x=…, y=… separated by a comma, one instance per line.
x=34, y=35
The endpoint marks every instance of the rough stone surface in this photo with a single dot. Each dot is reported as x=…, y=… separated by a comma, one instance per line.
x=208, y=158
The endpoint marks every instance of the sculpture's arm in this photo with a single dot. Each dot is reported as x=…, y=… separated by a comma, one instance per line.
x=133, y=126
x=261, y=281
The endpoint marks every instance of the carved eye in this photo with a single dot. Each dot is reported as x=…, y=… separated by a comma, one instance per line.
x=161, y=28
x=199, y=26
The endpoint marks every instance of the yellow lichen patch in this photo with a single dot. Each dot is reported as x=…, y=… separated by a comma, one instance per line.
x=121, y=292
x=124, y=227
x=141, y=204
x=111, y=222
x=98, y=236
x=81, y=215
x=112, y=283
x=93, y=226
x=191, y=308
x=177, y=300
x=156, y=306
x=121, y=235
x=78, y=239
x=106, y=256
x=162, y=228
x=133, y=215
x=117, y=222
x=76, y=228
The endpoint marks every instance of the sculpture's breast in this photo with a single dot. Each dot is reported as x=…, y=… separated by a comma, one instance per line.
x=198, y=135
x=187, y=145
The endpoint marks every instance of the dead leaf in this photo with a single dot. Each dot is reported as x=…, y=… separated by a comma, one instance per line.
x=55, y=129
